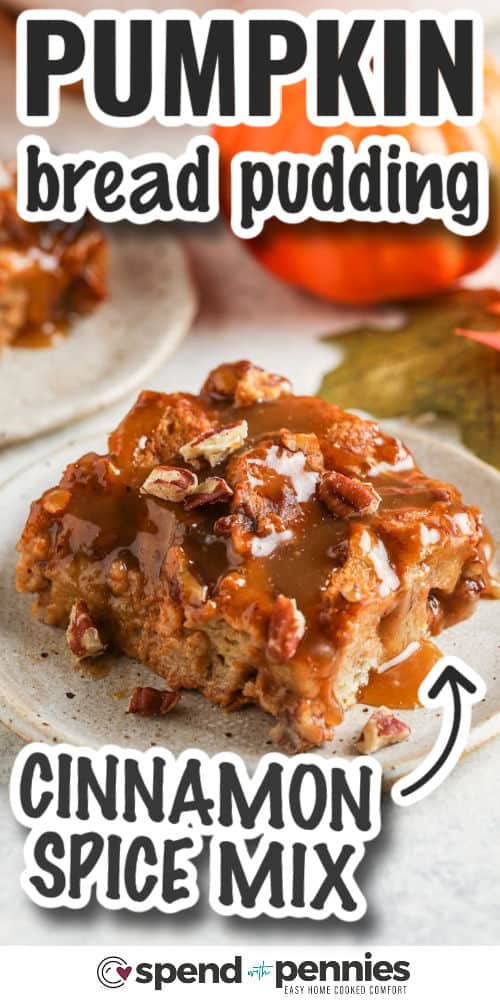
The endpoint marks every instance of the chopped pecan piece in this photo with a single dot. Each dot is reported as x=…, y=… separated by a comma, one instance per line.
x=212, y=490
x=184, y=585
x=167, y=482
x=308, y=444
x=82, y=634
x=244, y=384
x=223, y=381
x=346, y=497
x=151, y=701
x=382, y=729
x=286, y=628
x=223, y=526
x=215, y=446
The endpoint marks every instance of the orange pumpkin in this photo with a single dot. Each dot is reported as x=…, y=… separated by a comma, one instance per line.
x=363, y=263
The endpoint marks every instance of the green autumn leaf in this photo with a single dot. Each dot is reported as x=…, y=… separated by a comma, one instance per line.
x=424, y=367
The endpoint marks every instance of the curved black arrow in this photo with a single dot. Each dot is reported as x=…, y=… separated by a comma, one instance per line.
x=454, y=684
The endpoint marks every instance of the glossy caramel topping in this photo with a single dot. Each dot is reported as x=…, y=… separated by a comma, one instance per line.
x=38, y=337
x=397, y=686
x=275, y=536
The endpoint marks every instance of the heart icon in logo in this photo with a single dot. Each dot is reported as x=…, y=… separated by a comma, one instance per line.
x=124, y=973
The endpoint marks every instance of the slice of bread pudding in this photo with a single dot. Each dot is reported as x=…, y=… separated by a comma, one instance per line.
x=48, y=271
x=253, y=545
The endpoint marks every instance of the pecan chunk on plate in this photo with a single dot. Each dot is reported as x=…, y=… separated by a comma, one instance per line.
x=382, y=730
x=152, y=701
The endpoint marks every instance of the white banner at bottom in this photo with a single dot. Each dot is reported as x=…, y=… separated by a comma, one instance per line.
x=418, y=973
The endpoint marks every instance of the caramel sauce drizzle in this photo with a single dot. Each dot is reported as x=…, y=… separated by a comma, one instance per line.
x=109, y=520
x=398, y=686
x=34, y=337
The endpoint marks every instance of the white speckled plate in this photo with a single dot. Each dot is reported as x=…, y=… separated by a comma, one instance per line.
x=110, y=352
x=43, y=696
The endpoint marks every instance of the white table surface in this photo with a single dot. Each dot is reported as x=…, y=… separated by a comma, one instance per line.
x=432, y=877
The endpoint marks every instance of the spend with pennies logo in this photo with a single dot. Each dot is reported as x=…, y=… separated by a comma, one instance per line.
x=113, y=972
